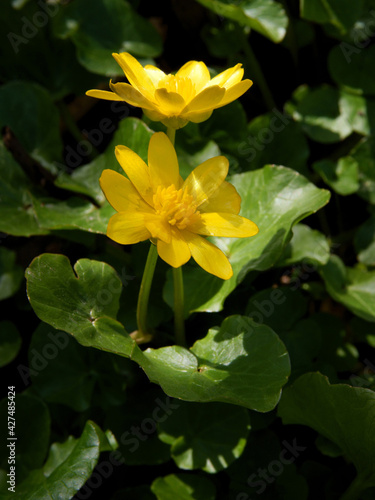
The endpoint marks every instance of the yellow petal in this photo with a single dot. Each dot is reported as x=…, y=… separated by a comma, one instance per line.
x=225, y=199
x=177, y=252
x=205, y=179
x=121, y=193
x=137, y=171
x=235, y=92
x=135, y=73
x=175, y=122
x=224, y=76
x=170, y=103
x=208, y=256
x=104, y=94
x=198, y=117
x=197, y=72
x=224, y=224
x=235, y=78
x=162, y=162
x=154, y=115
x=127, y=228
x=206, y=100
x=131, y=95
x=155, y=74
x=159, y=228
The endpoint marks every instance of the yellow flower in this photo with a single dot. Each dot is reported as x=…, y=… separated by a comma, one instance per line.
x=155, y=203
x=189, y=95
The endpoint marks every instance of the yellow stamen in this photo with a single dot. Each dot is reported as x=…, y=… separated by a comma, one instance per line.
x=176, y=206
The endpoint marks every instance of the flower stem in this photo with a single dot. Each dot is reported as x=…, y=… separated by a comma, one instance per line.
x=171, y=133
x=178, y=296
x=178, y=285
x=144, y=291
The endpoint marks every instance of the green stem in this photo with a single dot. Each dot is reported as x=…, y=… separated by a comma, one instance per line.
x=178, y=285
x=171, y=133
x=258, y=75
x=144, y=291
x=178, y=296
x=355, y=489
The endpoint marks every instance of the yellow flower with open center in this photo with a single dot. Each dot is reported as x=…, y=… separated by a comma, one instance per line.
x=189, y=95
x=155, y=203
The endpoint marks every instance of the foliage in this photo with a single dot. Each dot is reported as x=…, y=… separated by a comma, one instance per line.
x=273, y=394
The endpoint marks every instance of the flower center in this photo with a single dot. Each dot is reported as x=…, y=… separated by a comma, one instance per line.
x=176, y=206
x=183, y=86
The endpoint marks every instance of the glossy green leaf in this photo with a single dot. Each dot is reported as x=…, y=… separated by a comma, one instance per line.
x=307, y=245
x=10, y=342
x=351, y=69
x=364, y=155
x=183, y=487
x=267, y=17
x=83, y=302
x=275, y=198
x=341, y=176
x=28, y=110
x=215, y=367
x=353, y=287
x=319, y=114
x=68, y=467
x=339, y=13
x=32, y=430
x=208, y=437
x=100, y=27
x=359, y=111
x=11, y=274
x=335, y=411
x=364, y=242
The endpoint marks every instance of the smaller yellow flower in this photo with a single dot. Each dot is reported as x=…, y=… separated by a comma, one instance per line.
x=189, y=95
x=155, y=203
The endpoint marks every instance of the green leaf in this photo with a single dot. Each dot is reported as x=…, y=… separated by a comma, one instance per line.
x=32, y=430
x=339, y=13
x=100, y=27
x=28, y=110
x=334, y=411
x=265, y=16
x=216, y=366
x=364, y=242
x=364, y=155
x=341, y=176
x=11, y=274
x=17, y=215
x=352, y=287
x=208, y=437
x=183, y=487
x=132, y=133
x=359, y=111
x=319, y=114
x=10, y=342
x=351, y=69
x=83, y=302
x=307, y=245
x=73, y=466
x=275, y=198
